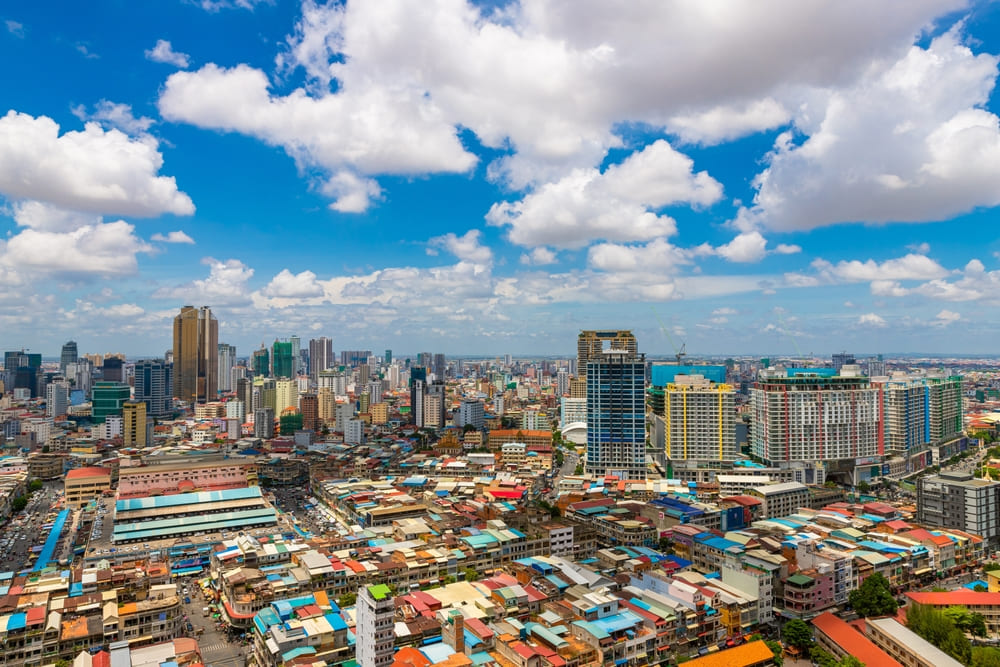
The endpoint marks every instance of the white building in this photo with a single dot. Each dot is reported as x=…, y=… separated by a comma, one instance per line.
x=375, y=630
x=236, y=410
x=56, y=399
x=354, y=434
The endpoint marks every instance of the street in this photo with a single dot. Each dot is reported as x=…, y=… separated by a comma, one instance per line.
x=24, y=529
x=216, y=648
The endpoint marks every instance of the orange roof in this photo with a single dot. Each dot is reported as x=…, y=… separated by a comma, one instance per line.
x=74, y=628
x=964, y=598
x=747, y=655
x=410, y=657
x=852, y=641
x=90, y=471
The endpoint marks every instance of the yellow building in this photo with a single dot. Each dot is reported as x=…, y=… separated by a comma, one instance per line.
x=85, y=484
x=380, y=413
x=134, y=427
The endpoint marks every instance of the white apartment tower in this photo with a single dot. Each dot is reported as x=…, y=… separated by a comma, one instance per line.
x=375, y=633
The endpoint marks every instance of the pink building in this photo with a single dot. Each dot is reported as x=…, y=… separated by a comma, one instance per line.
x=166, y=479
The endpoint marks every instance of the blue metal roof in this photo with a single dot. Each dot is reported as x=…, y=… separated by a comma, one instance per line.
x=154, y=502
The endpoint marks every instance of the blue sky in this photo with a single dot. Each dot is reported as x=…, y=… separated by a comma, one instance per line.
x=492, y=177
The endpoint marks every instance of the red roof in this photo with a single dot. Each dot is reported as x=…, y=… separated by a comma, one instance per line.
x=746, y=501
x=965, y=598
x=90, y=471
x=35, y=615
x=103, y=659
x=853, y=642
x=233, y=613
x=478, y=628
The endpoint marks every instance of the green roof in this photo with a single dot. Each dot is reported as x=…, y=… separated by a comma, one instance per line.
x=379, y=591
x=799, y=580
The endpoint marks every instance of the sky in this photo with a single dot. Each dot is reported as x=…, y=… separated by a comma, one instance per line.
x=761, y=177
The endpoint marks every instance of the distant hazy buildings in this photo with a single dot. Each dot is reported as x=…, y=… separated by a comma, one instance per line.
x=227, y=361
x=68, y=356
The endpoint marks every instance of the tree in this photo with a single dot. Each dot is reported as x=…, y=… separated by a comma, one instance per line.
x=579, y=469
x=19, y=503
x=347, y=600
x=471, y=574
x=873, y=597
x=967, y=621
x=979, y=588
x=863, y=487
x=776, y=649
x=798, y=634
x=985, y=656
x=36, y=485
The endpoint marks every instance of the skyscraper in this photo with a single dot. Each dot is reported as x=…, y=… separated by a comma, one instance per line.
x=616, y=408
x=309, y=404
x=196, y=355
x=260, y=361
x=56, y=398
x=440, y=367
x=418, y=381
x=700, y=420
x=296, y=346
x=227, y=361
x=244, y=392
x=68, y=356
x=320, y=356
x=282, y=362
x=388, y=358
x=107, y=400
x=590, y=344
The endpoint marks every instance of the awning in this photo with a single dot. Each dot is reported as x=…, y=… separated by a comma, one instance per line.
x=923, y=570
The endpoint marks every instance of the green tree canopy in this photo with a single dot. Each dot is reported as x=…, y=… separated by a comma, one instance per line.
x=798, y=634
x=779, y=657
x=873, y=597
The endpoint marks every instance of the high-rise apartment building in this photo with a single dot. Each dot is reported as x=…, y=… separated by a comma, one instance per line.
x=440, y=367
x=320, y=356
x=244, y=392
x=376, y=636
x=327, y=405
x=236, y=409
x=700, y=420
x=562, y=382
x=309, y=405
x=286, y=395
x=470, y=413
x=590, y=345
x=352, y=358
x=196, y=355
x=919, y=410
x=616, y=412
x=68, y=356
x=81, y=375
x=263, y=423
x=810, y=417
x=134, y=424
x=387, y=360
x=841, y=359
x=418, y=384
x=296, y=348
x=227, y=361
x=154, y=387
x=56, y=398
x=959, y=500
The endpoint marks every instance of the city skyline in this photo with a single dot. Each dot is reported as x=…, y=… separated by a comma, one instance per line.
x=768, y=180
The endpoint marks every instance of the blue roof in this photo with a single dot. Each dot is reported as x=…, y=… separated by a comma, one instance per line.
x=617, y=622
x=335, y=621
x=595, y=630
x=154, y=502
x=721, y=543
x=663, y=374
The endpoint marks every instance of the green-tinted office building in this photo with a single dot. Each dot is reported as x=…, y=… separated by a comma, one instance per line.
x=282, y=364
x=107, y=399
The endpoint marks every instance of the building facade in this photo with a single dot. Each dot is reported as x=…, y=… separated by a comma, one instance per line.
x=616, y=412
x=196, y=355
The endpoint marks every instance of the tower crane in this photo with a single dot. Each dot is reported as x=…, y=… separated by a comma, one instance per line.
x=679, y=352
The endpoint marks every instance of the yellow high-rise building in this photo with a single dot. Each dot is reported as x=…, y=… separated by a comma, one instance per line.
x=134, y=427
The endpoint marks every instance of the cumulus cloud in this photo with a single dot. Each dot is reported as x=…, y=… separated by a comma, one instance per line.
x=946, y=317
x=94, y=170
x=908, y=142
x=290, y=285
x=909, y=267
x=362, y=131
x=100, y=249
x=111, y=115
x=466, y=247
x=172, y=237
x=226, y=285
x=15, y=28
x=746, y=247
x=163, y=52
x=872, y=320
x=539, y=256
x=658, y=256
x=724, y=123
x=616, y=205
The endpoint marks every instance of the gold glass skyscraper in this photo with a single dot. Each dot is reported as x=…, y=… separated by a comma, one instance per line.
x=196, y=355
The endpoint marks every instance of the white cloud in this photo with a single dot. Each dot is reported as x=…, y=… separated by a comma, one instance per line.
x=218, y=5
x=787, y=249
x=45, y=217
x=872, y=320
x=163, y=52
x=117, y=116
x=93, y=170
x=288, y=285
x=172, y=237
x=360, y=131
x=466, y=247
x=617, y=205
x=746, y=247
x=907, y=142
x=539, y=256
x=15, y=28
x=946, y=317
x=725, y=123
x=909, y=267
x=724, y=311
x=658, y=257
x=226, y=285
x=919, y=248
x=101, y=249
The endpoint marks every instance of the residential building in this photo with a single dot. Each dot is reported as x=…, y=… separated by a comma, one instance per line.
x=196, y=355
x=375, y=635
x=260, y=361
x=591, y=344
x=134, y=427
x=699, y=420
x=282, y=362
x=616, y=412
x=263, y=423
x=320, y=356
x=309, y=405
x=781, y=499
x=68, y=355
x=959, y=500
x=906, y=646
x=56, y=398
x=470, y=412
x=227, y=361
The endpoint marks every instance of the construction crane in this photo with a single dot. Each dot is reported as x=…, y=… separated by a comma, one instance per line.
x=679, y=352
